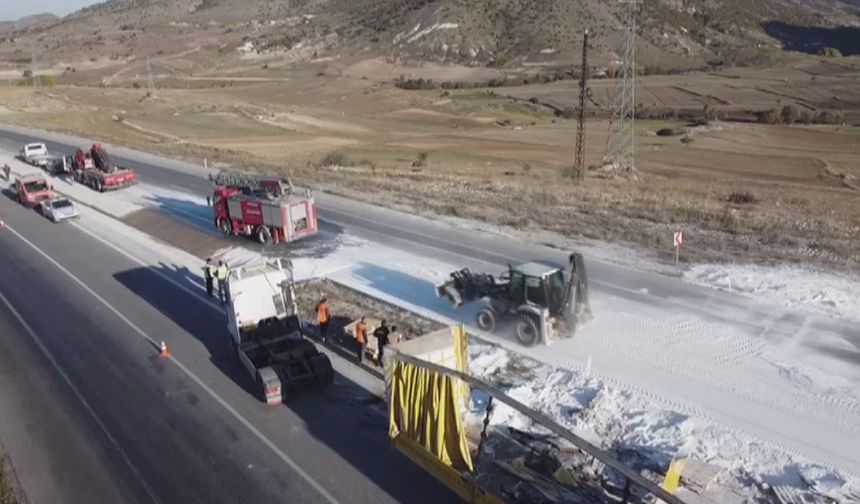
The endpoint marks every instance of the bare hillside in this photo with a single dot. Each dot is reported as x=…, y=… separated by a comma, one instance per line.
x=27, y=23
x=250, y=34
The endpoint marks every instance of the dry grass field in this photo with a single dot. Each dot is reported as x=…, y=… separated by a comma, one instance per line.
x=741, y=190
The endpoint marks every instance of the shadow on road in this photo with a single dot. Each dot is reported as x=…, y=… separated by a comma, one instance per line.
x=345, y=417
x=422, y=294
x=199, y=216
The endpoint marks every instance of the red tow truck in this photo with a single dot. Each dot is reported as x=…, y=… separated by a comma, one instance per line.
x=96, y=169
x=32, y=190
x=265, y=208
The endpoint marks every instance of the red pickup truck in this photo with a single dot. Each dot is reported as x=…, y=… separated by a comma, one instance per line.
x=31, y=190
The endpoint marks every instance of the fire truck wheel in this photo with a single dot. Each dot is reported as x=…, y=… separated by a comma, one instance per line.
x=99, y=186
x=224, y=226
x=264, y=236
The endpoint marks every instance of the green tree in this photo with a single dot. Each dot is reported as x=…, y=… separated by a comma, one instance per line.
x=789, y=114
x=830, y=52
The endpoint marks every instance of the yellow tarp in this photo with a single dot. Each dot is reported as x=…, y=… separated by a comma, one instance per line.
x=424, y=408
x=673, y=475
x=461, y=353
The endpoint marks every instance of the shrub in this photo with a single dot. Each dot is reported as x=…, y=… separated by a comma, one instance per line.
x=569, y=172
x=421, y=161
x=742, y=198
x=789, y=114
x=567, y=112
x=830, y=52
x=767, y=117
x=7, y=493
x=829, y=117
x=335, y=158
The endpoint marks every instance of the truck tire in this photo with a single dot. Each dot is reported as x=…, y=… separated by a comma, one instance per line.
x=99, y=186
x=264, y=236
x=224, y=226
x=528, y=330
x=486, y=319
x=323, y=372
x=233, y=345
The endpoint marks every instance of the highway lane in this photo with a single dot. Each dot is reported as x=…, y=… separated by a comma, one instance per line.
x=60, y=453
x=473, y=248
x=175, y=431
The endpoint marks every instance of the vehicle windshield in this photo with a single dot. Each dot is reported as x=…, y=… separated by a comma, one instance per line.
x=36, y=186
x=63, y=203
x=55, y=163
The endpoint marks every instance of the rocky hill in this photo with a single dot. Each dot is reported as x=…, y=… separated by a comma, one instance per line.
x=27, y=22
x=673, y=34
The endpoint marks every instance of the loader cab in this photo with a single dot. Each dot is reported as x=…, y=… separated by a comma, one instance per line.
x=537, y=285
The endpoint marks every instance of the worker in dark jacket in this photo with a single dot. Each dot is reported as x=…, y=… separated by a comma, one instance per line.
x=209, y=276
x=381, y=334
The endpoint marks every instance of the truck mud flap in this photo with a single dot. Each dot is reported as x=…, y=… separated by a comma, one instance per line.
x=270, y=386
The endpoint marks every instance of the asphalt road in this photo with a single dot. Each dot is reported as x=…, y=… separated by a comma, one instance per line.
x=821, y=340
x=91, y=413
x=476, y=249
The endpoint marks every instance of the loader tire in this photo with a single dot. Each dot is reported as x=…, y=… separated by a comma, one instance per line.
x=486, y=319
x=264, y=236
x=528, y=330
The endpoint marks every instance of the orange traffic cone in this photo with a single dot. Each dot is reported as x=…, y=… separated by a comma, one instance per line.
x=164, y=352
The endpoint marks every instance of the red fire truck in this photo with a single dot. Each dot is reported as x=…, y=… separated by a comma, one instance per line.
x=265, y=208
x=95, y=168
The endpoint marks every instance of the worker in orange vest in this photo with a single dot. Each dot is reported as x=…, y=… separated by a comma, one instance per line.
x=361, y=338
x=323, y=318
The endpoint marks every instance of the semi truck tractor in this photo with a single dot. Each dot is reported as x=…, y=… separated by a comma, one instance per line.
x=266, y=332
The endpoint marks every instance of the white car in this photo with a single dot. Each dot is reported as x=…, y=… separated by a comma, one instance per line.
x=33, y=150
x=59, y=209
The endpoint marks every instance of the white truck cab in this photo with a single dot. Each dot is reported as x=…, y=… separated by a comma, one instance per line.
x=32, y=150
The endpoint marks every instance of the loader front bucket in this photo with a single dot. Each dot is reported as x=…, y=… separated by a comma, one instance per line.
x=449, y=291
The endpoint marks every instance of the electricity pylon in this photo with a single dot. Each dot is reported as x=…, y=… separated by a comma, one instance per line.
x=620, y=145
x=579, y=159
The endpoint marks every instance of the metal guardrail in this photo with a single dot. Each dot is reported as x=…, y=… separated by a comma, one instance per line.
x=545, y=421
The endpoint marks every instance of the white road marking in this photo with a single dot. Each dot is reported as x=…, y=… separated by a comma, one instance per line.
x=238, y=416
x=48, y=355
